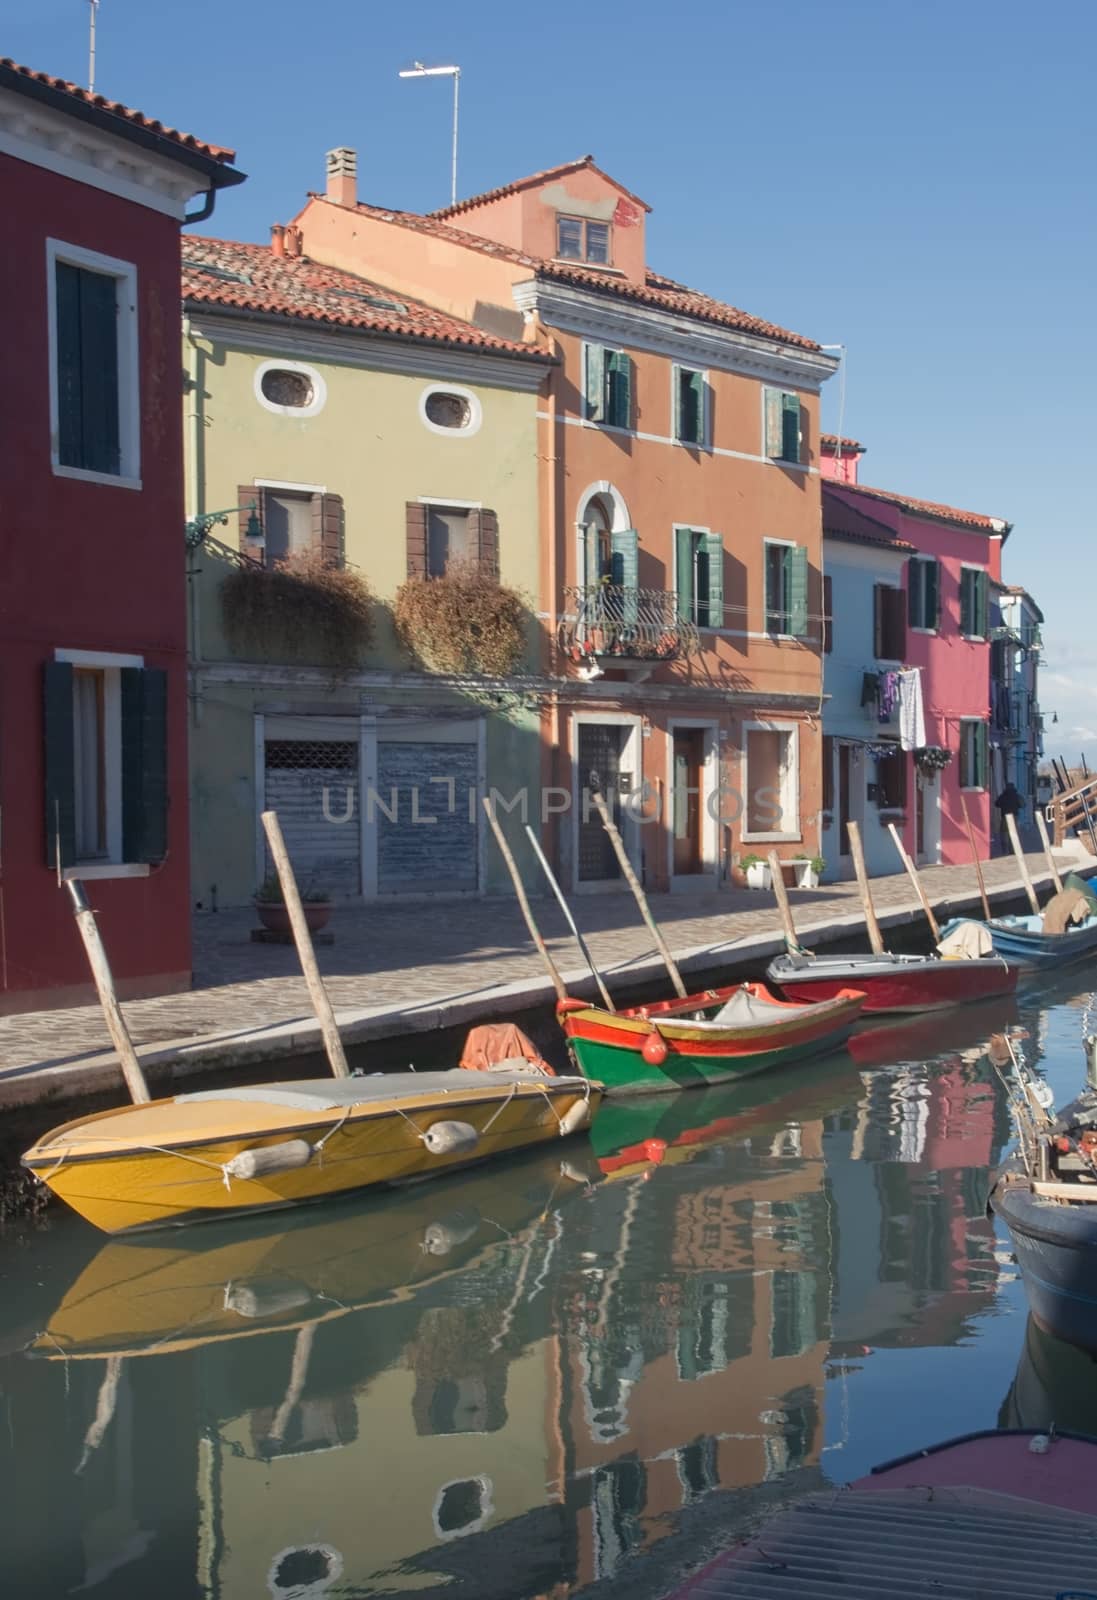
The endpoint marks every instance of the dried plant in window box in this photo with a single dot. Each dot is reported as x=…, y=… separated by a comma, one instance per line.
x=466, y=621
x=299, y=610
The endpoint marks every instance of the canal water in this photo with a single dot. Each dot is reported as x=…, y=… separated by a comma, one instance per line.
x=578, y=1374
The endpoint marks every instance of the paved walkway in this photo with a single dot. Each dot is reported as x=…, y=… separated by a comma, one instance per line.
x=395, y=970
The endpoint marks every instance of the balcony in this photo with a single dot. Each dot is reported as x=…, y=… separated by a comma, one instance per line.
x=629, y=630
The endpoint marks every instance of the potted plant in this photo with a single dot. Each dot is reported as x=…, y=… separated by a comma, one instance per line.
x=756, y=871
x=813, y=872
x=271, y=907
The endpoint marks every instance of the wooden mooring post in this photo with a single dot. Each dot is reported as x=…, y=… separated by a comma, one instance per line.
x=523, y=901
x=975, y=859
x=777, y=878
x=638, y=894
x=875, y=937
x=108, y=998
x=1041, y=827
x=912, y=874
x=1014, y=839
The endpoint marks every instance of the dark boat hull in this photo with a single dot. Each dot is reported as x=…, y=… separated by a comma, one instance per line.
x=894, y=983
x=1056, y=1249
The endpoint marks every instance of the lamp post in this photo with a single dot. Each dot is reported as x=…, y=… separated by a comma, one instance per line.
x=420, y=71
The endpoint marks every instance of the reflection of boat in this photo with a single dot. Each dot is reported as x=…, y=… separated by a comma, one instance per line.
x=893, y=982
x=221, y=1151
x=986, y=1514
x=153, y=1296
x=654, y=1048
x=884, y=1041
x=1055, y=1386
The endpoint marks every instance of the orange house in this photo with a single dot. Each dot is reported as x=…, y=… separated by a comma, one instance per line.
x=680, y=585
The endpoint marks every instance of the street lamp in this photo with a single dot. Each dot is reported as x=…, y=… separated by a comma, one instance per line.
x=418, y=70
x=197, y=528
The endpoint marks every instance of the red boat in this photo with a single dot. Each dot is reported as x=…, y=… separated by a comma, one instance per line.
x=893, y=983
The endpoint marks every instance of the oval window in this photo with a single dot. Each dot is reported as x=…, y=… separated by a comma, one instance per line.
x=283, y=387
x=448, y=410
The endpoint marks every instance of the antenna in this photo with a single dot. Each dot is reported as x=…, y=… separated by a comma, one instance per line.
x=91, y=45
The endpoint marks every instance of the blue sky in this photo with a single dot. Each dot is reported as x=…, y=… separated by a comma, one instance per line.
x=913, y=181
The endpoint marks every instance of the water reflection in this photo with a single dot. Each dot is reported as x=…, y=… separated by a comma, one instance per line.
x=510, y=1384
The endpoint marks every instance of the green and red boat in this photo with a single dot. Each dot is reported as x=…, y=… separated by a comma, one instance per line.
x=713, y=1037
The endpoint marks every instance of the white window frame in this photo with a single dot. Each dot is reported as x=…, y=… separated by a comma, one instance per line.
x=487, y=1507
x=785, y=544
x=110, y=664
x=924, y=561
x=129, y=371
x=319, y=389
x=633, y=756
x=791, y=835
x=704, y=442
x=476, y=410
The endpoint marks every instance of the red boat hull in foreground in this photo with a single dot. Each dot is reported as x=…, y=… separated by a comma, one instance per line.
x=894, y=983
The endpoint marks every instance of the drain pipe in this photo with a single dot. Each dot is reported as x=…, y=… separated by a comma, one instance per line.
x=192, y=366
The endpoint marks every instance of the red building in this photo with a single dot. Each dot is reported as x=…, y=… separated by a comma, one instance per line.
x=93, y=777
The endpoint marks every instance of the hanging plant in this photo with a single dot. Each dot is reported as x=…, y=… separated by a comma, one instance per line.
x=932, y=758
x=299, y=610
x=465, y=621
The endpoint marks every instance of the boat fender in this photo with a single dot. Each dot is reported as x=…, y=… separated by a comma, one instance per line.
x=576, y=1117
x=442, y=1237
x=570, y=1004
x=654, y=1049
x=450, y=1138
x=575, y=1174
x=266, y=1299
x=268, y=1159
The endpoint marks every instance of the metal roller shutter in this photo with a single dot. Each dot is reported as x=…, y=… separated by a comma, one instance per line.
x=323, y=837
x=439, y=852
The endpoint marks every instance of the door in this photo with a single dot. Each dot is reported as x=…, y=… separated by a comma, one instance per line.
x=600, y=747
x=689, y=760
x=845, y=780
x=928, y=816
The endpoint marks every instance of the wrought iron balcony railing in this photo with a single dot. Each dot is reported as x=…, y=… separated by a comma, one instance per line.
x=634, y=624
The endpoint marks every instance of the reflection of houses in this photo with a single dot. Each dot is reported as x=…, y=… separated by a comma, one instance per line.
x=362, y=437
x=909, y=1179
x=680, y=530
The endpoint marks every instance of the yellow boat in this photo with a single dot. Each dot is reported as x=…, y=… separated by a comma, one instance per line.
x=229, y=1151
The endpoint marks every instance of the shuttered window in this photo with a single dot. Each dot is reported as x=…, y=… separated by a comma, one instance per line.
x=973, y=602
x=889, y=623
x=607, y=383
x=87, y=369
x=783, y=430
x=891, y=781
x=699, y=572
x=923, y=591
x=624, y=573
x=786, y=569
x=438, y=536
x=973, y=753
x=292, y=522
x=689, y=406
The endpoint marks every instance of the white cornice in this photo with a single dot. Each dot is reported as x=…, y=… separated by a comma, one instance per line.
x=668, y=333
x=74, y=149
x=274, y=336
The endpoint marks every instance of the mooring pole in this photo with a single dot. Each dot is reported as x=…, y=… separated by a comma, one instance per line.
x=108, y=998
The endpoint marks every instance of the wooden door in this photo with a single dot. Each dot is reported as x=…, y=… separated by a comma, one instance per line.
x=845, y=795
x=689, y=761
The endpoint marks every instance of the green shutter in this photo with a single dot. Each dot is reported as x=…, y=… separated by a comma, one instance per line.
x=982, y=593
x=592, y=574
x=595, y=381
x=790, y=427
x=70, y=438
x=99, y=371
x=144, y=696
x=796, y=567
x=626, y=572
x=618, y=389
x=714, y=549
x=981, y=756
x=915, y=593
x=689, y=406
x=60, y=796
x=773, y=424
x=684, y=564
x=933, y=594
x=966, y=610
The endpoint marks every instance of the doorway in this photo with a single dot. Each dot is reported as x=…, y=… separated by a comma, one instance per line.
x=606, y=759
x=689, y=762
x=927, y=812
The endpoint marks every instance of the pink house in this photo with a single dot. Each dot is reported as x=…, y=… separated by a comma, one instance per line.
x=945, y=632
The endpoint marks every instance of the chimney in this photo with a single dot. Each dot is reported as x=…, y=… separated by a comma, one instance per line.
x=277, y=239
x=291, y=240
x=343, y=176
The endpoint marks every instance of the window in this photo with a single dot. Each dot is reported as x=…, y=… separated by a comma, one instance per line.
x=463, y=1507
x=786, y=588
x=689, y=405
x=290, y=388
x=973, y=602
x=450, y=410
x=699, y=567
x=923, y=592
x=973, y=753
x=783, y=432
x=95, y=413
x=889, y=623
x=292, y=521
x=608, y=381
x=828, y=615
x=105, y=763
x=792, y=1328
x=891, y=781
x=578, y=239
x=772, y=781
x=439, y=535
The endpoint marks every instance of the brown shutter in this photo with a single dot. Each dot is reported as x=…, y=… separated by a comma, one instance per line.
x=895, y=624
x=828, y=772
x=417, y=539
x=484, y=542
x=878, y=621
x=247, y=496
x=900, y=762
x=327, y=529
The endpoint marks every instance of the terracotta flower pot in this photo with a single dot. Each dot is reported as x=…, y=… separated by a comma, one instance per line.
x=275, y=918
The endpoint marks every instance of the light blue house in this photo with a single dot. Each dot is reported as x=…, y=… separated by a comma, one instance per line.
x=1017, y=726
x=867, y=777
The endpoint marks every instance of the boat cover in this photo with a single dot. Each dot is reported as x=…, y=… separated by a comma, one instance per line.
x=321, y=1095
x=745, y=1010
x=967, y=941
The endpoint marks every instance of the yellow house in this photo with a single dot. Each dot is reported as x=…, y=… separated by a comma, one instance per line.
x=338, y=436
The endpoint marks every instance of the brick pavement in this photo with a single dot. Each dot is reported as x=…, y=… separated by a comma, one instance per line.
x=424, y=960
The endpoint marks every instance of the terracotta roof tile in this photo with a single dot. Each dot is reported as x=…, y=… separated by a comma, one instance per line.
x=531, y=182
x=930, y=509
x=658, y=291
x=850, y=523
x=251, y=278
x=831, y=442
x=15, y=75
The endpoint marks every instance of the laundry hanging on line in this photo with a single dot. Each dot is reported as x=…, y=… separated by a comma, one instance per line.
x=912, y=720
